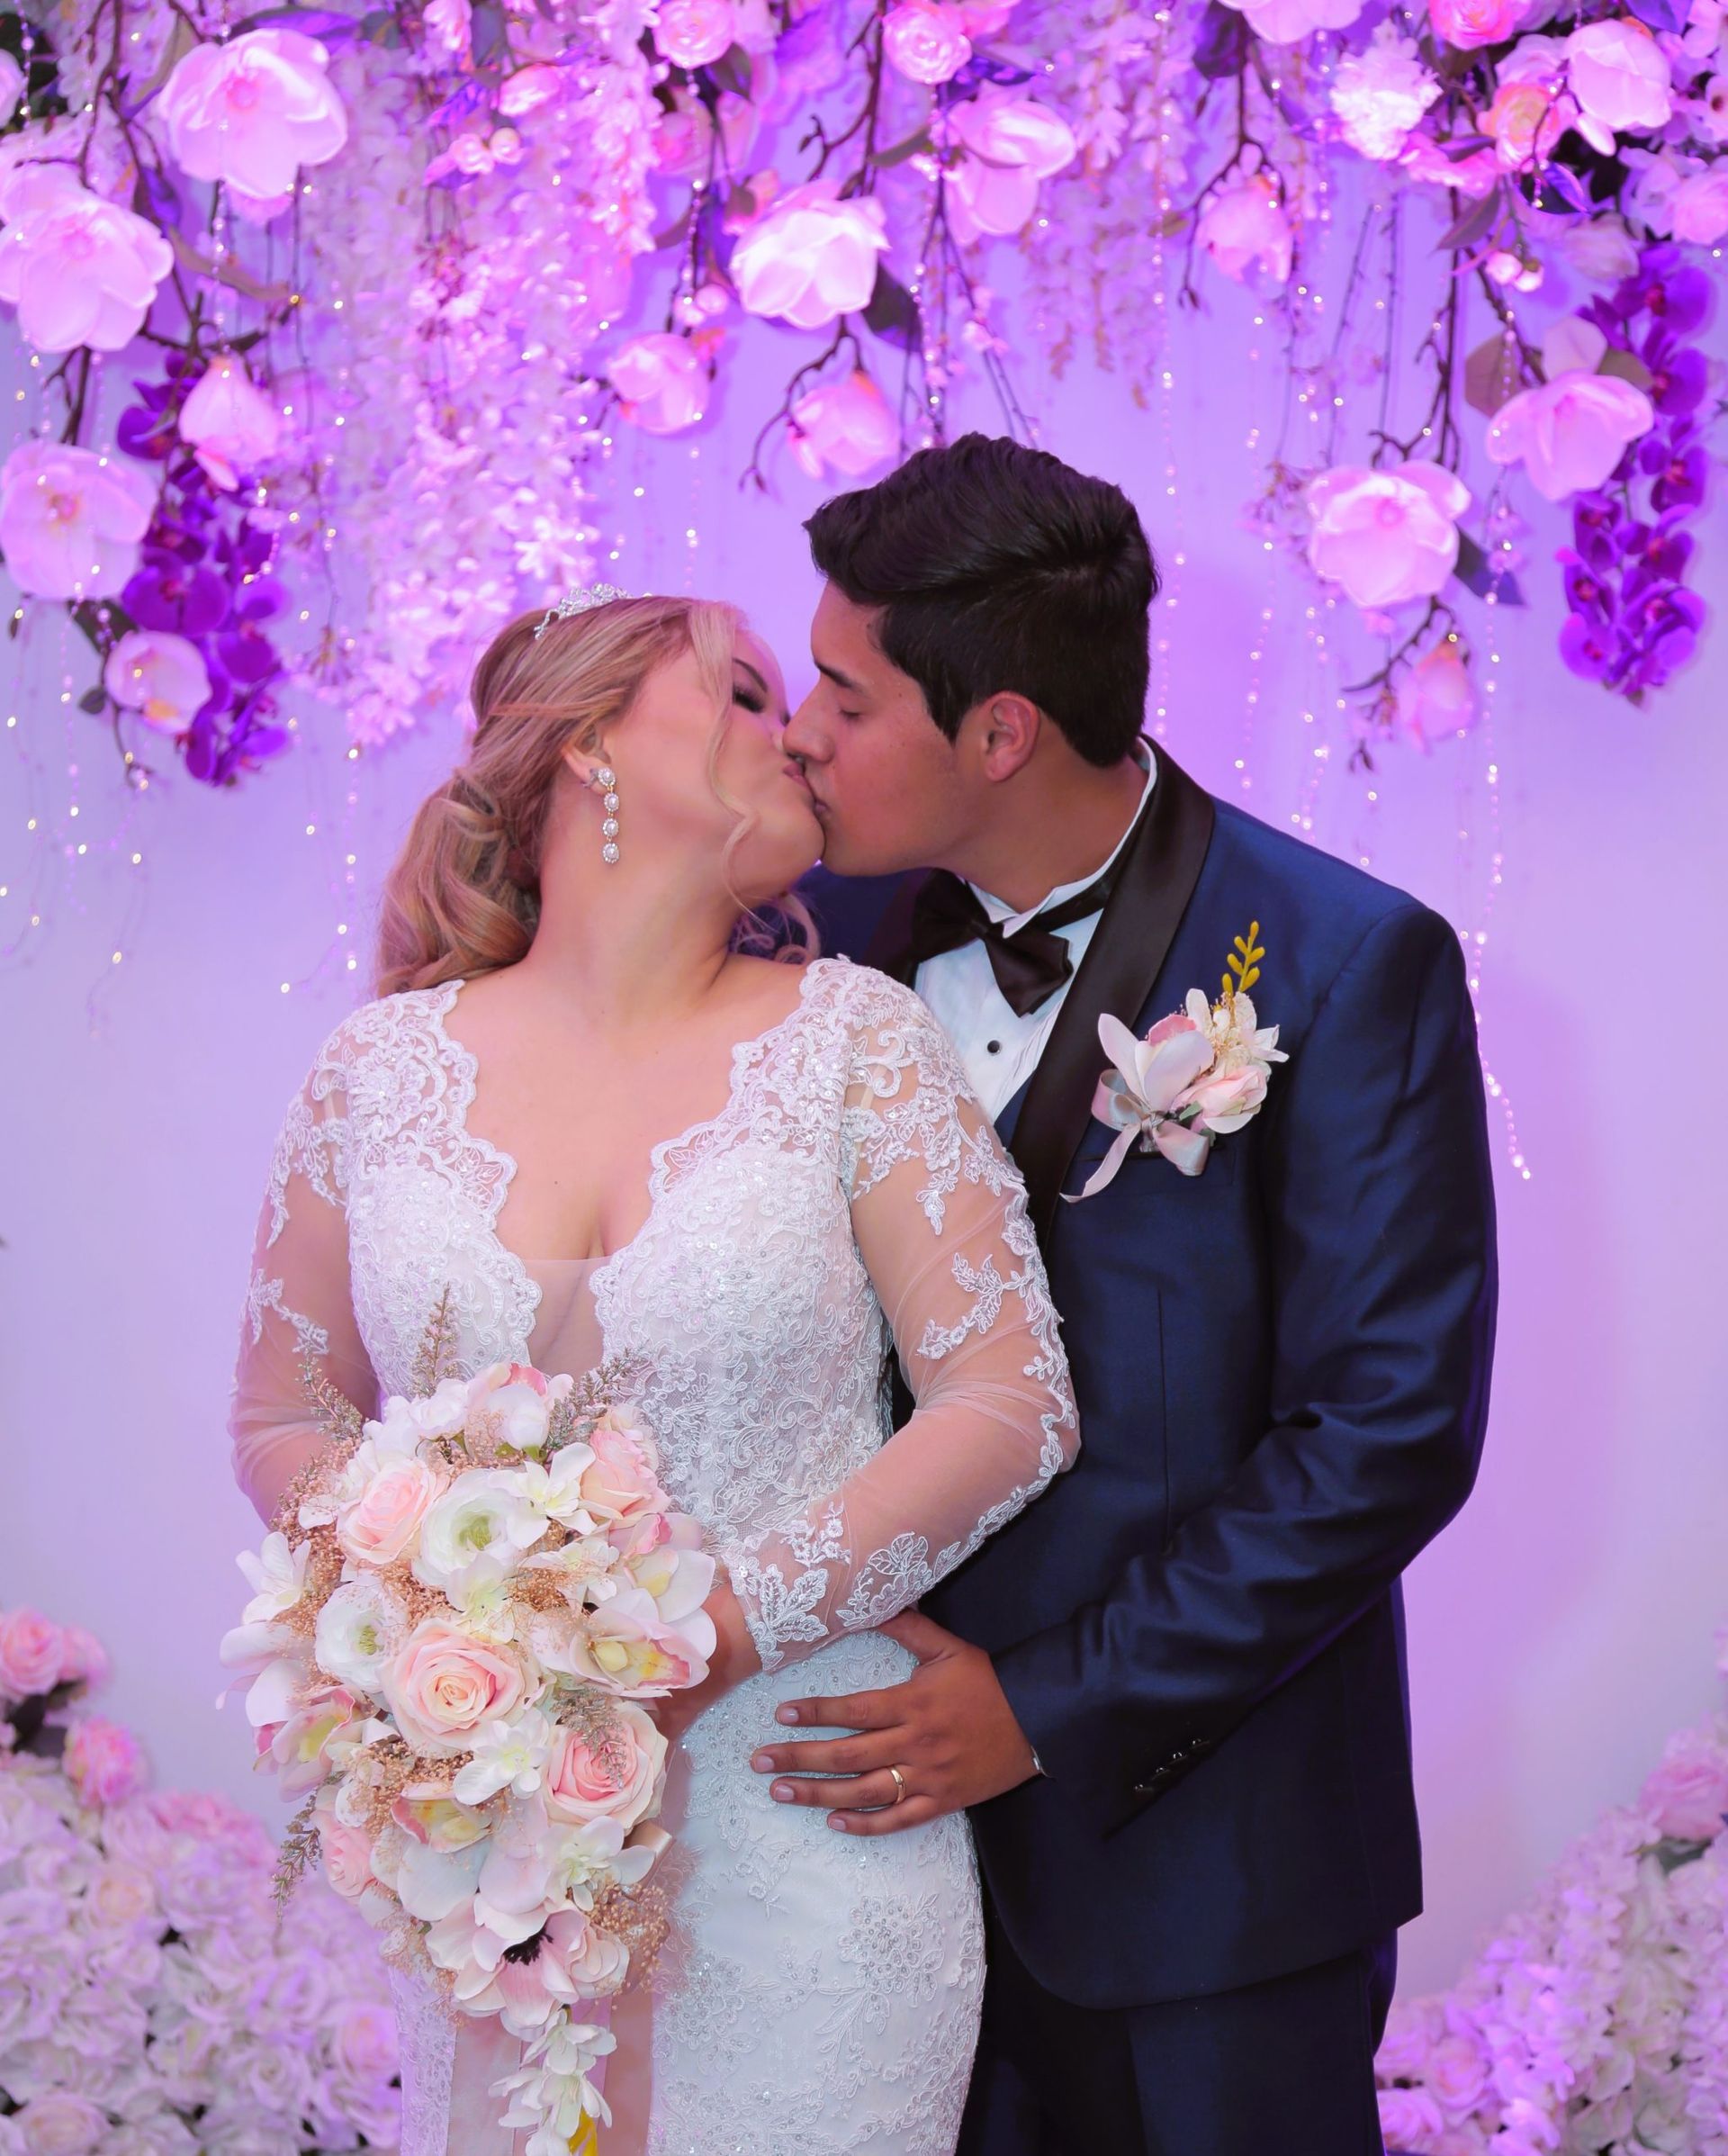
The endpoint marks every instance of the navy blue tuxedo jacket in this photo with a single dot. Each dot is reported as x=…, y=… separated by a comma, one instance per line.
x=1282, y=1368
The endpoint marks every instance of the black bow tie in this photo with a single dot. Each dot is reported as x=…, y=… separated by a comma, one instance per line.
x=1031, y=965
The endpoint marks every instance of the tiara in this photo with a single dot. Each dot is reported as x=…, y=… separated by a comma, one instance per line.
x=580, y=598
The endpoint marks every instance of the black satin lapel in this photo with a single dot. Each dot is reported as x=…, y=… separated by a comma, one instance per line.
x=1118, y=973
x=890, y=949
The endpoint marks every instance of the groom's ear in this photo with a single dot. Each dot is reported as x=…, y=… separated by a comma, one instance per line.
x=1004, y=730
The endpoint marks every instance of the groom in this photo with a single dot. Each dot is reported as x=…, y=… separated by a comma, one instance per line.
x=1172, y=1693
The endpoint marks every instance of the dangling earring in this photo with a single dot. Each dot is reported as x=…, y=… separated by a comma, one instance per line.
x=606, y=780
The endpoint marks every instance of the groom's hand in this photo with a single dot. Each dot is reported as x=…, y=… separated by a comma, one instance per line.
x=947, y=1729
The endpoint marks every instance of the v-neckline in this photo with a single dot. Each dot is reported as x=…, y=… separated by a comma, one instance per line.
x=466, y=1062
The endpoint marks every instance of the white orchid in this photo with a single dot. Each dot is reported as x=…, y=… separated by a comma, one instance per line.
x=553, y=1489
x=277, y=1574
x=510, y=1756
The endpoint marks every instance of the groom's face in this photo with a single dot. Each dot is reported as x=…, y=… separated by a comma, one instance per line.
x=889, y=787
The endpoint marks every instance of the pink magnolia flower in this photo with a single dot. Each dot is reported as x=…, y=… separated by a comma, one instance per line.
x=1379, y=95
x=1289, y=21
x=252, y=112
x=1469, y=24
x=844, y=426
x=160, y=676
x=692, y=34
x=441, y=1684
x=663, y=380
x=383, y=1522
x=33, y=1653
x=1474, y=176
x=227, y=424
x=1619, y=75
x=1011, y=143
x=926, y=42
x=1688, y=1794
x=71, y=520
x=1244, y=229
x=80, y=270
x=811, y=257
x=1435, y=697
x=103, y=1761
x=1698, y=206
x=1569, y=431
x=617, y=1777
x=1386, y=537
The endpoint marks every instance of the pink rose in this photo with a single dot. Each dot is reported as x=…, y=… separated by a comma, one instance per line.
x=1388, y=536
x=1620, y=76
x=693, y=33
x=441, y=1685
x=1688, y=1794
x=1410, y=2118
x=33, y=1653
x=59, y=2124
x=618, y=1779
x=1457, y=2074
x=346, y=1851
x=1525, y=121
x=383, y=1522
x=363, y=2041
x=925, y=42
x=122, y=1896
x=1289, y=21
x=1225, y=1100
x=83, y=1658
x=621, y=1487
x=1468, y=24
x=103, y=1761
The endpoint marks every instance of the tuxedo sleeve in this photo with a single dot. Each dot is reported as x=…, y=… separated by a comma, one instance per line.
x=1380, y=1223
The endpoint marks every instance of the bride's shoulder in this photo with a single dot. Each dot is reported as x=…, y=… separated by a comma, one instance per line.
x=387, y=1026
x=885, y=1021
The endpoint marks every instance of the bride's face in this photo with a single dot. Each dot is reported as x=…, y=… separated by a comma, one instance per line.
x=675, y=790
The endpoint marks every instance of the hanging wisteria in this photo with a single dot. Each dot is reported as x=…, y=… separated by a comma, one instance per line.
x=384, y=284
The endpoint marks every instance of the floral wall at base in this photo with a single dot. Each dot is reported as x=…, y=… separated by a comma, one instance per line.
x=152, y=2003
x=1595, y=2022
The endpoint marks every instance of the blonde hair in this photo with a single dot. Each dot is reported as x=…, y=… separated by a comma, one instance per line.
x=463, y=895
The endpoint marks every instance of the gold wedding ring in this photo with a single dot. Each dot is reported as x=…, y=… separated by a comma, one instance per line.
x=899, y=1785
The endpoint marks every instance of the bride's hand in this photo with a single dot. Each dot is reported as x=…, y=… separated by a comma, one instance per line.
x=733, y=1659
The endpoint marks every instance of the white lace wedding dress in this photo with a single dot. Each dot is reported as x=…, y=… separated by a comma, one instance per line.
x=819, y=1994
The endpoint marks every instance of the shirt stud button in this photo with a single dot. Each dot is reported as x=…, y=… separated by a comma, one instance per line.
x=994, y=1047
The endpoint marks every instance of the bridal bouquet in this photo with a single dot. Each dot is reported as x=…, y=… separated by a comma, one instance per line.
x=456, y=1614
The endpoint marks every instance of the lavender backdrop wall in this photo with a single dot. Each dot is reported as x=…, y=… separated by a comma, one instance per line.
x=1557, y=1631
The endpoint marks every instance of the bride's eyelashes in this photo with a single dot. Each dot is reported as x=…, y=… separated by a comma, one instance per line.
x=751, y=698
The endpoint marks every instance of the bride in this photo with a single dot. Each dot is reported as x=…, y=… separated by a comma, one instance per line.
x=572, y=967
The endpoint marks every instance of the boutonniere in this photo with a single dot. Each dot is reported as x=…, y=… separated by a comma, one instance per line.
x=1200, y=1074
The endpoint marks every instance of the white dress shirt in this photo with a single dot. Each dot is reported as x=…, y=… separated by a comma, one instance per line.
x=1000, y=1049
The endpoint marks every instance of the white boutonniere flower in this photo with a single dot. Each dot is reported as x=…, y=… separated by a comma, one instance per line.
x=1199, y=1074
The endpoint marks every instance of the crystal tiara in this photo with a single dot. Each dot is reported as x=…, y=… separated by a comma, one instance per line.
x=580, y=598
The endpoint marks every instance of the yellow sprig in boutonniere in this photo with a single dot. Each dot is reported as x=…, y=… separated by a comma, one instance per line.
x=1199, y=1074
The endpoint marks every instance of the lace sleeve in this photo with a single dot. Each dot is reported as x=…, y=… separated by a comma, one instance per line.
x=300, y=1298
x=939, y=1214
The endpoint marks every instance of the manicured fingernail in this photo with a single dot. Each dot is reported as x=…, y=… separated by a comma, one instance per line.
x=836, y=1822
x=786, y=1714
x=781, y=1792
x=763, y=1763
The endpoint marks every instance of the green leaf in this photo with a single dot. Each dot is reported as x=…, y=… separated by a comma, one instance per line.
x=893, y=312
x=1489, y=381
x=913, y=146
x=1472, y=571
x=1472, y=224
x=94, y=700
x=1626, y=367
x=731, y=71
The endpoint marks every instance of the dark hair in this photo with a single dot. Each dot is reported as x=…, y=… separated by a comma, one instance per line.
x=999, y=568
